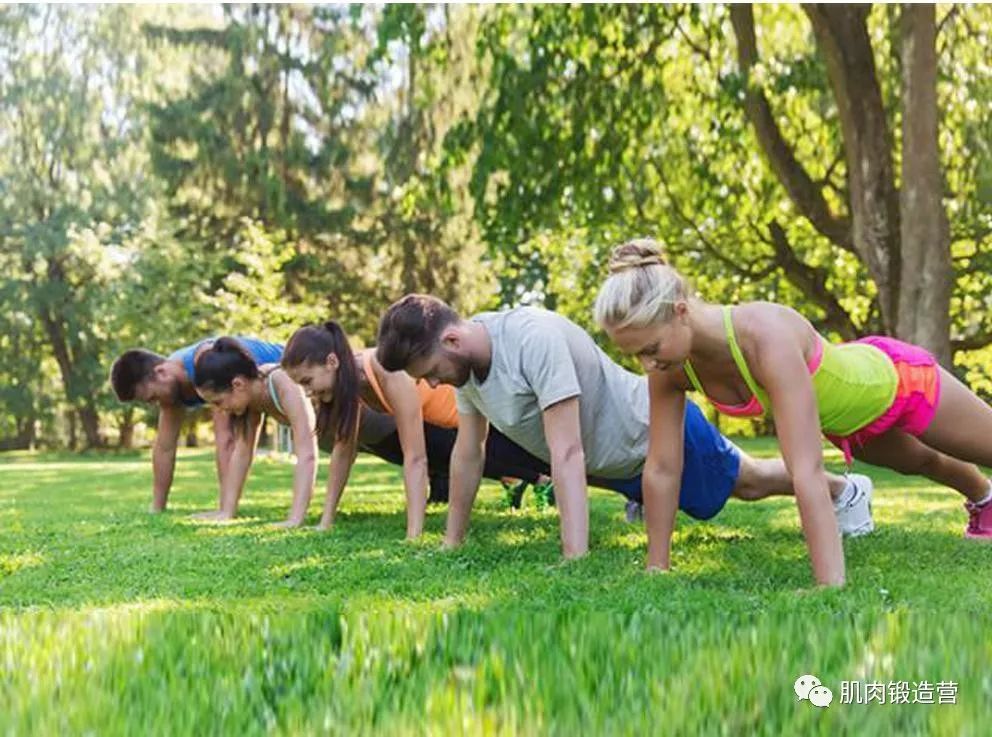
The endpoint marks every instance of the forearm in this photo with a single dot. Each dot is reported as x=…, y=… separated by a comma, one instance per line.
x=569, y=477
x=661, y=504
x=224, y=450
x=466, y=475
x=337, y=479
x=234, y=480
x=304, y=476
x=820, y=527
x=415, y=483
x=163, y=467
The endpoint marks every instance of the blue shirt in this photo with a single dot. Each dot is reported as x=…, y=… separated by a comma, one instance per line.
x=260, y=350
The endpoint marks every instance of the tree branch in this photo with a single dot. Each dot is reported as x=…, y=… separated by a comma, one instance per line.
x=948, y=17
x=703, y=52
x=972, y=342
x=844, y=43
x=812, y=282
x=801, y=188
x=828, y=174
x=708, y=245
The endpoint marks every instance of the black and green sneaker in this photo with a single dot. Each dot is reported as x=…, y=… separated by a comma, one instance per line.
x=544, y=495
x=513, y=493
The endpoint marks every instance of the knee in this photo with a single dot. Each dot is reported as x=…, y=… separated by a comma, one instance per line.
x=749, y=492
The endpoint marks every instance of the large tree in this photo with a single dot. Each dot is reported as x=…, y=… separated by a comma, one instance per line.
x=809, y=156
x=75, y=188
x=324, y=127
x=260, y=146
x=900, y=234
x=421, y=223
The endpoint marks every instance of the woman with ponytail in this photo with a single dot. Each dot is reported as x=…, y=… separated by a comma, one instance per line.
x=350, y=386
x=228, y=378
x=878, y=399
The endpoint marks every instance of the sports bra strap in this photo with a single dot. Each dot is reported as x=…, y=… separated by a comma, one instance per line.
x=735, y=351
x=273, y=393
x=693, y=379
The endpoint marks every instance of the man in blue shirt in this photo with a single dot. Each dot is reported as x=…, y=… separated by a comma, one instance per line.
x=143, y=376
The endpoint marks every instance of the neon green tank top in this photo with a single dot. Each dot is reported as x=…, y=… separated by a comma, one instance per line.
x=854, y=383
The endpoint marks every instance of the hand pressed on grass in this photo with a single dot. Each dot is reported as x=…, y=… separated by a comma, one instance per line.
x=215, y=515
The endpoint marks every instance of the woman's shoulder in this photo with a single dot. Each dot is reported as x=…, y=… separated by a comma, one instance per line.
x=765, y=327
x=768, y=319
x=365, y=360
x=277, y=376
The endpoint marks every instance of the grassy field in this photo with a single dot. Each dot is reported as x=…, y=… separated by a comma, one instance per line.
x=114, y=621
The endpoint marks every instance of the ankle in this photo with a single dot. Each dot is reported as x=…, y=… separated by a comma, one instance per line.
x=845, y=495
x=984, y=500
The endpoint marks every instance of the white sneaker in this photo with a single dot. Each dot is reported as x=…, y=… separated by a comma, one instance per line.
x=854, y=517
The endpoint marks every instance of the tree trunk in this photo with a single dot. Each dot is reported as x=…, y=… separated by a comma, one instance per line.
x=90, y=419
x=927, y=273
x=842, y=35
x=191, y=422
x=73, y=440
x=126, y=439
x=26, y=432
x=55, y=330
x=407, y=170
x=24, y=437
x=409, y=268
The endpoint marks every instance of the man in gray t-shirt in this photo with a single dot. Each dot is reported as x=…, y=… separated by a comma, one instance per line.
x=539, y=359
x=543, y=382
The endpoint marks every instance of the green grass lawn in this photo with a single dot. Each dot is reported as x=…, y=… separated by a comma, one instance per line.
x=115, y=621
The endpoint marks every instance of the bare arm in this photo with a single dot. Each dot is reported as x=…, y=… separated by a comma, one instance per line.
x=662, y=478
x=342, y=459
x=237, y=472
x=401, y=392
x=468, y=459
x=223, y=444
x=563, y=431
x=779, y=366
x=170, y=421
x=300, y=414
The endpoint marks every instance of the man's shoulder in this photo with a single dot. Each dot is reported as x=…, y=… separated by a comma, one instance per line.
x=183, y=351
x=523, y=322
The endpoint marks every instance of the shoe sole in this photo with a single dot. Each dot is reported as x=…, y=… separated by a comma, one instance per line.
x=861, y=531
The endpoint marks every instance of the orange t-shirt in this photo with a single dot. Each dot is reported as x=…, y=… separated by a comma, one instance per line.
x=437, y=405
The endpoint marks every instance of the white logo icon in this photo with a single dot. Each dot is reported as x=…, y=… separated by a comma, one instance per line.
x=808, y=688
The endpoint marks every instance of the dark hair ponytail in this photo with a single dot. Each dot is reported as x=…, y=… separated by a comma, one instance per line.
x=216, y=368
x=313, y=344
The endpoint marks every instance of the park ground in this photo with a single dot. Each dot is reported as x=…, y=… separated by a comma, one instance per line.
x=114, y=621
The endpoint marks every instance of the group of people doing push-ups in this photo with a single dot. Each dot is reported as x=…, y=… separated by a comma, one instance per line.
x=526, y=397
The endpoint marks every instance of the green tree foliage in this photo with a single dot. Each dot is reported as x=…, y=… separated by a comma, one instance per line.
x=259, y=150
x=421, y=223
x=324, y=125
x=75, y=184
x=604, y=122
x=172, y=172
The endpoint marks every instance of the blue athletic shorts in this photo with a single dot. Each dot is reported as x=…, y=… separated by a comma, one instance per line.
x=710, y=467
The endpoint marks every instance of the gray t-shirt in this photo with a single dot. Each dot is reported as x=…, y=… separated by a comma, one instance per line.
x=540, y=358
